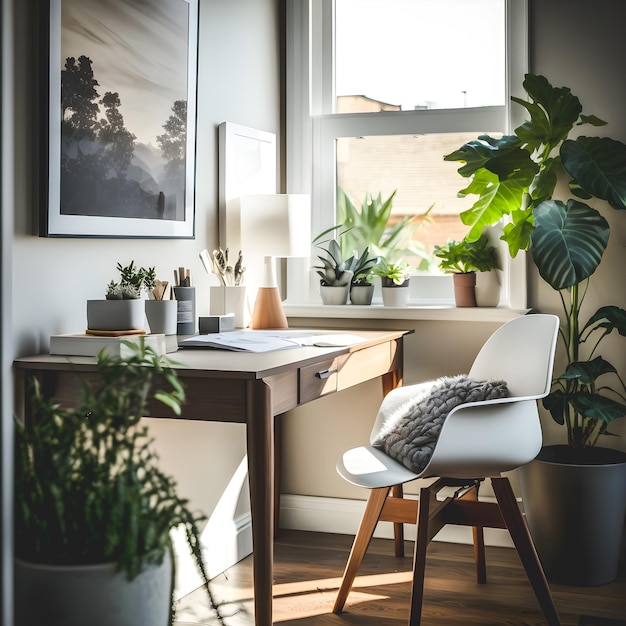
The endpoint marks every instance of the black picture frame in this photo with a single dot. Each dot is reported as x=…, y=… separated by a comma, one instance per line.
x=117, y=161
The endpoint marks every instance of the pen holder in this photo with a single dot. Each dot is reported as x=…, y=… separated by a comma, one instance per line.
x=230, y=299
x=186, y=316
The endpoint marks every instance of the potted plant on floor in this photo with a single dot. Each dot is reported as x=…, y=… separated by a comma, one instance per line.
x=463, y=259
x=93, y=511
x=394, y=279
x=574, y=495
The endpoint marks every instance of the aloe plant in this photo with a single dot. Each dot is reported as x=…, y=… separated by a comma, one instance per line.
x=333, y=271
x=368, y=227
x=515, y=178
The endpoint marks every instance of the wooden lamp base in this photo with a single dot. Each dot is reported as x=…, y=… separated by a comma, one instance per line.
x=268, y=310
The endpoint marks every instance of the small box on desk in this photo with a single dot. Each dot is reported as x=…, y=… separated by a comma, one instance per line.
x=216, y=323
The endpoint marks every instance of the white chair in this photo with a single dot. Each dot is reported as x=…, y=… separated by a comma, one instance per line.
x=477, y=440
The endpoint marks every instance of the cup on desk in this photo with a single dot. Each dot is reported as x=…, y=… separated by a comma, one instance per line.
x=186, y=310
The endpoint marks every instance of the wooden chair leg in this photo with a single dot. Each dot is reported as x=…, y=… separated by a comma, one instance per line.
x=373, y=508
x=525, y=547
x=419, y=559
x=479, y=541
x=398, y=528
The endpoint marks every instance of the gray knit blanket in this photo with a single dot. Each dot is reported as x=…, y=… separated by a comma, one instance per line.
x=410, y=432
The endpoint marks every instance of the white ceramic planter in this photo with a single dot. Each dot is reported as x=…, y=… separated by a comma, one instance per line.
x=396, y=296
x=97, y=595
x=487, y=288
x=115, y=314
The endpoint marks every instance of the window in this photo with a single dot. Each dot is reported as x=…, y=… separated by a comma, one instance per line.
x=380, y=90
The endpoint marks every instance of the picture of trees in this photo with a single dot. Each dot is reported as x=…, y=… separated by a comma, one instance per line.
x=124, y=150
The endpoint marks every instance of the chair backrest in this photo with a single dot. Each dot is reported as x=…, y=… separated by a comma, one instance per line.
x=487, y=439
x=521, y=352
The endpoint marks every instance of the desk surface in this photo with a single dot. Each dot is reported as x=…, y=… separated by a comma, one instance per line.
x=225, y=363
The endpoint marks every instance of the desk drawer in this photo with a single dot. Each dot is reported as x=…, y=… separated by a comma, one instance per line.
x=363, y=365
x=318, y=380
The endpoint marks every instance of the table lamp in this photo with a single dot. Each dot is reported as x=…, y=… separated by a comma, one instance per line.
x=273, y=225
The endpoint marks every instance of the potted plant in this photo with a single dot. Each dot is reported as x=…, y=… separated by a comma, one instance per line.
x=575, y=494
x=362, y=286
x=335, y=277
x=93, y=511
x=369, y=227
x=122, y=309
x=463, y=259
x=394, y=280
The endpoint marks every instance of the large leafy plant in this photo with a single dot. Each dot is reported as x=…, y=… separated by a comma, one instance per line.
x=515, y=178
x=368, y=226
x=88, y=488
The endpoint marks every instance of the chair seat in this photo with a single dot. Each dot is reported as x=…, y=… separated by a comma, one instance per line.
x=370, y=467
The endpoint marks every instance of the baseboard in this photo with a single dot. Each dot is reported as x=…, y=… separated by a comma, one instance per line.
x=224, y=543
x=338, y=515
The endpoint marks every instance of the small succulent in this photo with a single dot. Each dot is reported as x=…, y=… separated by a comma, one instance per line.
x=362, y=267
x=333, y=272
x=392, y=273
x=132, y=281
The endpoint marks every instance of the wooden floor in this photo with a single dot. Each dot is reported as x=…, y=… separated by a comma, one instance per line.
x=308, y=568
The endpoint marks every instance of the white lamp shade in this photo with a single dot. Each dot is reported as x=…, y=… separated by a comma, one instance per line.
x=277, y=225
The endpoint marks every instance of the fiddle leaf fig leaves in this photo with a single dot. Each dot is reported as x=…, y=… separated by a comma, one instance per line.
x=568, y=242
x=598, y=164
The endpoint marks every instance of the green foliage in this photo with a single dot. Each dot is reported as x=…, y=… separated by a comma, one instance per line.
x=362, y=267
x=333, y=271
x=462, y=257
x=132, y=281
x=392, y=273
x=88, y=488
x=368, y=227
x=516, y=177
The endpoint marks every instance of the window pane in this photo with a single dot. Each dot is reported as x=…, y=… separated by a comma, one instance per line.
x=419, y=54
x=412, y=165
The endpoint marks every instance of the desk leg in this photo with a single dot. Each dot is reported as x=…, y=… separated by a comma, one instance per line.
x=260, y=443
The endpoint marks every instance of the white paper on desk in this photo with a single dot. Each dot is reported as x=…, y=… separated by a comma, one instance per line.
x=268, y=340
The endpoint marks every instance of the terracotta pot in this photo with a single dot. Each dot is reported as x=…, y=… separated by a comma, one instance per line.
x=464, y=289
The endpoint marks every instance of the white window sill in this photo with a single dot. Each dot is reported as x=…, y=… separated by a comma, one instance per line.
x=378, y=311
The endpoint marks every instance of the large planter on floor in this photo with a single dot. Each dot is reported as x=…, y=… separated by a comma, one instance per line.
x=575, y=502
x=94, y=595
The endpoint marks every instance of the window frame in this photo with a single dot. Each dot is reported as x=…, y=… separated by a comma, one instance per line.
x=312, y=127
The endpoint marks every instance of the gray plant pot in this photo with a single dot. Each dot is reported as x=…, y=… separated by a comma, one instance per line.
x=334, y=295
x=97, y=595
x=575, y=506
x=162, y=316
x=361, y=294
x=115, y=314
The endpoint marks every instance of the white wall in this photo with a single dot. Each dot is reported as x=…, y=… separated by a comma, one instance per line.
x=238, y=81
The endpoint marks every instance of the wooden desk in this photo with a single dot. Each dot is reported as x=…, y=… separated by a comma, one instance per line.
x=251, y=389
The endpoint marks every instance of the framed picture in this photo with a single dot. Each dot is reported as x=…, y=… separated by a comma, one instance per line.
x=121, y=118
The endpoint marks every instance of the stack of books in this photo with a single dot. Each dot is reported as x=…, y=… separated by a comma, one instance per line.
x=82, y=344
